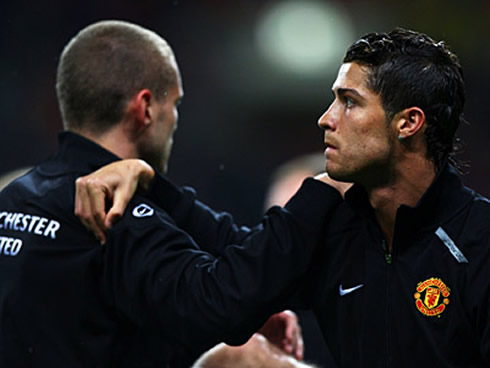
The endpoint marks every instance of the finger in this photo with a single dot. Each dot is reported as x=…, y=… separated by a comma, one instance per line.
x=116, y=211
x=83, y=209
x=299, y=350
x=121, y=197
x=97, y=193
x=82, y=203
x=78, y=201
x=287, y=346
x=292, y=334
x=292, y=325
x=298, y=344
x=288, y=340
x=95, y=207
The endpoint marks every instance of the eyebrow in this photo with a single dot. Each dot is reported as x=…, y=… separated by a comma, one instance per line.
x=344, y=91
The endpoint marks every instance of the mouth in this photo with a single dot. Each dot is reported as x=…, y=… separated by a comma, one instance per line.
x=329, y=146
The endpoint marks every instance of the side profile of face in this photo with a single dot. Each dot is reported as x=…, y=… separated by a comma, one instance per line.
x=157, y=148
x=358, y=139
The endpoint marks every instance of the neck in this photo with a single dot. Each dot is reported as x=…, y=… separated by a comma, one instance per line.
x=114, y=140
x=408, y=182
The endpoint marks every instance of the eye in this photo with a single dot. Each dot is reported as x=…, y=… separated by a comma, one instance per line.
x=349, y=102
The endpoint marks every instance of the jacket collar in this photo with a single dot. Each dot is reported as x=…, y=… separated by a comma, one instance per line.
x=444, y=198
x=77, y=154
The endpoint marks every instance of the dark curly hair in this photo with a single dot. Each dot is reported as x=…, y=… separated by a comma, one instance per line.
x=409, y=68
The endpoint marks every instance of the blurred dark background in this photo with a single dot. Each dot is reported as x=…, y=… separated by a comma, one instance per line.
x=257, y=75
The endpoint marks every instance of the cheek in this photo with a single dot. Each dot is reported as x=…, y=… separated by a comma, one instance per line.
x=166, y=125
x=171, y=121
x=367, y=143
x=365, y=131
x=379, y=147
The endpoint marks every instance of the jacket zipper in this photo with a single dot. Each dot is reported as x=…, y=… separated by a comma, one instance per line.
x=389, y=260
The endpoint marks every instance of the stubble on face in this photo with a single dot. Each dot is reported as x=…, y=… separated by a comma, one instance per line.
x=157, y=148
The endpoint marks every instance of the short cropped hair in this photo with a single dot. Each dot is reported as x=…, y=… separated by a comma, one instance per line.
x=409, y=68
x=105, y=65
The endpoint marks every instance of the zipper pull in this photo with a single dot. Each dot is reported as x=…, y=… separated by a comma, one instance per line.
x=387, y=253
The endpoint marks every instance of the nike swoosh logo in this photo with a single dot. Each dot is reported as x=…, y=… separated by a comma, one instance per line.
x=343, y=291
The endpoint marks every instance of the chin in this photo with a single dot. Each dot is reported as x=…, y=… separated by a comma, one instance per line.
x=160, y=163
x=163, y=165
x=339, y=175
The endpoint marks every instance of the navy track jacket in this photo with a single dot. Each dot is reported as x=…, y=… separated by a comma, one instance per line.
x=426, y=304
x=67, y=301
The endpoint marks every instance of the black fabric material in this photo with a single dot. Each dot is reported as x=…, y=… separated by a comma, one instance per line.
x=148, y=295
x=378, y=324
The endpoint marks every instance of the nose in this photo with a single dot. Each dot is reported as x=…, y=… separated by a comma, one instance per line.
x=327, y=120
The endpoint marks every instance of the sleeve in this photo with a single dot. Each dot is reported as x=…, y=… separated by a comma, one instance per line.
x=161, y=280
x=213, y=230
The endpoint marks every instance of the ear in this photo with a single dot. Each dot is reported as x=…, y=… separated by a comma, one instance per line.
x=139, y=108
x=409, y=122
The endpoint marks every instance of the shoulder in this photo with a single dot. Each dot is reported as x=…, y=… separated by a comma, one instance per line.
x=35, y=184
x=478, y=211
x=482, y=201
x=144, y=219
x=473, y=222
x=141, y=213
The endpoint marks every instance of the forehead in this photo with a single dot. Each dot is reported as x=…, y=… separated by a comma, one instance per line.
x=352, y=76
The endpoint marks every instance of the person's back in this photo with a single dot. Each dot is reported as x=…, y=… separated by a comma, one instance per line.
x=42, y=301
x=55, y=307
x=60, y=300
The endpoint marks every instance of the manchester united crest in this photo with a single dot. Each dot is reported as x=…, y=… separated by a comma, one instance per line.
x=432, y=297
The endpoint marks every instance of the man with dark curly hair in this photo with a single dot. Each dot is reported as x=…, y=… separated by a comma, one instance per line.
x=403, y=279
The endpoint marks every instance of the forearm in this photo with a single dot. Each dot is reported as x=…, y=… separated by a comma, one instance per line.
x=212, y=230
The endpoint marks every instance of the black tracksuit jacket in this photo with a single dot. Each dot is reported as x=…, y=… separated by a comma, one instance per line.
x=67, y=301
x=427, y=304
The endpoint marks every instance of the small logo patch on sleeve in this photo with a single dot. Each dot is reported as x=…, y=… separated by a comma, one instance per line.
x=432, y=297
x=143, y=210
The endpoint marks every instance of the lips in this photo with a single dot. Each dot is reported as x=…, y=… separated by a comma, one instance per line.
x=330, y=145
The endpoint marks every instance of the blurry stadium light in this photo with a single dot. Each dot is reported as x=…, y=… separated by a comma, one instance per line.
x=304, y=37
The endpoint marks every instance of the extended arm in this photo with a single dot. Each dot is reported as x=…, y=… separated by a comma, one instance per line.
x=166, y=281
x=212, y=230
